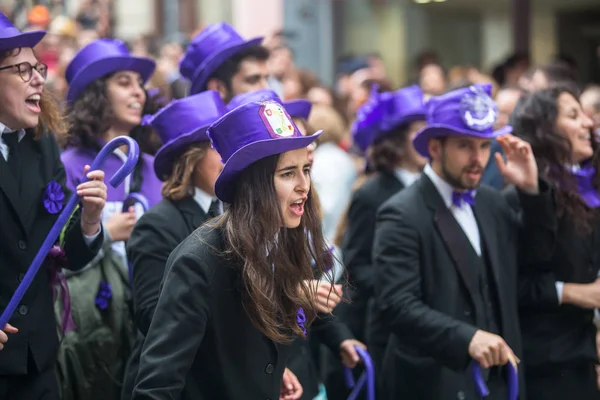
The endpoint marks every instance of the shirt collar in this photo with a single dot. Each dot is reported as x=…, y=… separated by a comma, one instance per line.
x=406, y=177
x=5, y=129
x=443, y=188
x=203, y=199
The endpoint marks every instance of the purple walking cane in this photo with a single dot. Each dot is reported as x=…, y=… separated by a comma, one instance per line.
x=513, y=381
x=367, y=377
x=119, y=176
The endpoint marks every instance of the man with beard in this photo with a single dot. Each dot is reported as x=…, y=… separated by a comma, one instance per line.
x=445, y=253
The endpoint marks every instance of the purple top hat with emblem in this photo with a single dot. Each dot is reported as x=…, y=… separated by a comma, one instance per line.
x=11, y=38
x=182, y=123
x=100, y=58
x=296, y=108
x=385, y=111
x=250, y=133
x=464, y=112
x=208, y=50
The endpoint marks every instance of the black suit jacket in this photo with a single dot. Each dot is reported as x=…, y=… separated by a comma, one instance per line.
x=357, y=246
x=154, y=237
x=426, y=292
x=24, y=225
x=201, y=339
x=554, y=335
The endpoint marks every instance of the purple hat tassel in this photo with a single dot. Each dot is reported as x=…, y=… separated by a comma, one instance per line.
x=115, y=180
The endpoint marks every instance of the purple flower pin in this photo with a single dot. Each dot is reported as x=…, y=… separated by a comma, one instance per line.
x=53, y=197
x=104, y=295
x=301, y=318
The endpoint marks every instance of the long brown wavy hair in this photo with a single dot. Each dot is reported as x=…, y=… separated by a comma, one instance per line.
x=91, y=115
x=275, y=261
x=179, y=184
x=534, y=120
x=51, y=117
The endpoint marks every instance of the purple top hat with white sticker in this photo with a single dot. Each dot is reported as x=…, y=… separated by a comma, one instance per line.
x=11, y=38
x=100, y=58
x=208, y=50
x=383, y=112
x=249, y=133
x=296, y=108
x=181, y=123
x=467, y=112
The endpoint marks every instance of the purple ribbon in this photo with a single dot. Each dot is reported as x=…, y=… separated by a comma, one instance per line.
x=301, y=318
x=467, y=196
x=57, y=261
x=125, y=170
x=586, y=190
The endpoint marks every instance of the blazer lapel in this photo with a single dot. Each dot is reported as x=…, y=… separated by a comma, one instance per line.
x=31, y=184
x=193, y=214
x=10, y=187
x=450, y=232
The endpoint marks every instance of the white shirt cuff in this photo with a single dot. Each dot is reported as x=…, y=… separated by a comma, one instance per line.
x=559, y=291
x=90, y=239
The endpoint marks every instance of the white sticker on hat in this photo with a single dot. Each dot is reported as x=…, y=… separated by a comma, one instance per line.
x=276, y=120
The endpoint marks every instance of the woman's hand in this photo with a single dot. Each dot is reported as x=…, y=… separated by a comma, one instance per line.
x=93, y=199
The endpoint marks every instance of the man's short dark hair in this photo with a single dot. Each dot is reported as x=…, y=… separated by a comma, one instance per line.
x=231, y=66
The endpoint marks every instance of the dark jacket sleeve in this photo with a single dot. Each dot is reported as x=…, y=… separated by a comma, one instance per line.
x=178, y=329
x=79, y=254
x=358, y=243
x=396, y=254
x=330, y=331
x=148, y=250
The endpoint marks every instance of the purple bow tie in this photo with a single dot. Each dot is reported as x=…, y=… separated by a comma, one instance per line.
x=467, y=196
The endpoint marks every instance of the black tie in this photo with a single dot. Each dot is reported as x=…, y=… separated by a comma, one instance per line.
x=213, y=211
x=14, y=158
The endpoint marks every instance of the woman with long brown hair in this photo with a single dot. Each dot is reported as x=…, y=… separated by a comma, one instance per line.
x=235, y=292
x=558, y=297
x=33, y=192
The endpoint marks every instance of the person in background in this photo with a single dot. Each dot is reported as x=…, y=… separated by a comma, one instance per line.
x=33, y=192
x=219, y=59
x=557, y=297
x=189, y=167
x=506, y=101
x=590, y=103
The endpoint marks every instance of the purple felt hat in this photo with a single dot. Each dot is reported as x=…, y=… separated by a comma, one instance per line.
x=208, y=50
x=463, y=112
x=182, y=123
x=295, y=108
x=385, y=111
x=250, y=133
x=11, y=38
x=100, y=58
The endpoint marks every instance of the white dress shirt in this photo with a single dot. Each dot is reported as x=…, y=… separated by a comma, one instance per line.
x=464, y=214
x=204, y=200
x=406, y=177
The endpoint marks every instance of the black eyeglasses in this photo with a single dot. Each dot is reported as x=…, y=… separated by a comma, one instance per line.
x=26, y=70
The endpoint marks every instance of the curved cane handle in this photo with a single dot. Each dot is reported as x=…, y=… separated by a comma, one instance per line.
x=513, y=381
x=135, y=198
x=61, y=221
x=367, y=377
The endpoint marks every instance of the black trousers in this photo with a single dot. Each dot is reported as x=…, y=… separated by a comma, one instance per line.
x=573, y=382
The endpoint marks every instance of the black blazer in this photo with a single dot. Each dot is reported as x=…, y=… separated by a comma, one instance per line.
x=357, y=246
x=425, y=290
x=555, y=334
x=24, y=225
x=201, y=339
x=154, y=237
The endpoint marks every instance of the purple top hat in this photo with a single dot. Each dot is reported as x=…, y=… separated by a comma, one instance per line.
x=100, y=58
x=250, y=133
x=208, y=50
x=385, y=111
x=181, y=123
x=463, y=112
x=295, y=108
x=11, y=38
